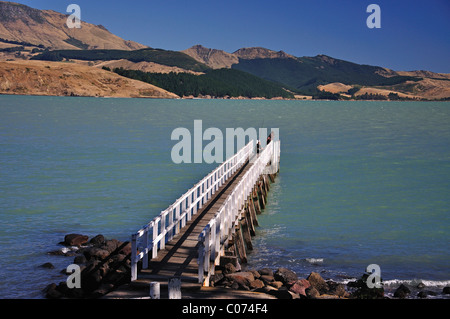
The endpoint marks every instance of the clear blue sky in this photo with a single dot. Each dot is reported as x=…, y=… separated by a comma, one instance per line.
x=414, y=35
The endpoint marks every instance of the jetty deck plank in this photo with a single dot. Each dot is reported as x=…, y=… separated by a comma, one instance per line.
x=179, y=258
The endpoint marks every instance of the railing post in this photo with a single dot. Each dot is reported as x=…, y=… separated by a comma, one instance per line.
x=133, y=257
x=201, y=259
x=170, y=226
x=162, y=243
x=145, y=244
x=155, y=243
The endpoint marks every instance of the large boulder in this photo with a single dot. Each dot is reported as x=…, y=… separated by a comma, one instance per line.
x=286, y=276
x=336, y=289
x=95, y=252
x=75, y=240
x=402, y=292
x=266, y=272
x=242, y=279
x=362, y=291
x=97, y=240
x=300, y=286
x=318, y=282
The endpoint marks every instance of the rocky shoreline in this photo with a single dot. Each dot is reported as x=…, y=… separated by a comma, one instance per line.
x=105, y=266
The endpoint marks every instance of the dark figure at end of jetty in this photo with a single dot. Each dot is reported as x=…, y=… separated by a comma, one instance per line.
x=269, y=138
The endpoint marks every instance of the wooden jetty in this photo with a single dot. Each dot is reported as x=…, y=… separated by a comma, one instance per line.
x=210, y=225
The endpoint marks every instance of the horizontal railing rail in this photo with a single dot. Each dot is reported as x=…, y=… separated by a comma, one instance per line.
x=214, y=237
x=152, y=237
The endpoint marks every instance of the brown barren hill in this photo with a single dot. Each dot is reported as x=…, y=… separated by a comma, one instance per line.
x=70, y=79
x=215, y=59
x=19, y=22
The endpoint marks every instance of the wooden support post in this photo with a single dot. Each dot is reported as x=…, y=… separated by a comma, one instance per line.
x=249, y=219
x=272, y=178
x=246, y=234
x=252, y=212
x=266, y=184
x=240, y=247
x=257, y=206
x=263, y=188
x=262, y=201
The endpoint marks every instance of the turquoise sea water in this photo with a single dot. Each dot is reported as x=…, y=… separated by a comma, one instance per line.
x=360, y=182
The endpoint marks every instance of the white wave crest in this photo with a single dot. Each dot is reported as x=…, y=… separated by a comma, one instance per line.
x=416, y=282
x=314, y=260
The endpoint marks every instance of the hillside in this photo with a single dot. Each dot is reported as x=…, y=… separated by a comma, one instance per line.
x=220, y=83
x=70, y=79
x=159, y=56
x=48, y=28
x=310, y=75
x=30, y=34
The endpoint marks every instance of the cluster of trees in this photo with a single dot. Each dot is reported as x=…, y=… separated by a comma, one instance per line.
x=380, y=97
x=216, y=83
x=324, y=95
x=22, y=43
x=12, y=49
x=372, y=96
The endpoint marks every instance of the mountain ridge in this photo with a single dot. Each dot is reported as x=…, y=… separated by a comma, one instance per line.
x=48, y=28
x=27, y=33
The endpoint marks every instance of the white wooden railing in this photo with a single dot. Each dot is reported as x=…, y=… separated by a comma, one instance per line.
x=214, y=237
x=153, y=236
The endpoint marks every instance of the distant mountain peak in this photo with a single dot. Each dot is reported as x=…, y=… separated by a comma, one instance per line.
x=213, y=58
x=260, y=53
x=217, y=59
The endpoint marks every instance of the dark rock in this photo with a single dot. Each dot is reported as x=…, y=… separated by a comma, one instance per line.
x=51, y=292
x=91, y=281
x=336, y=289
x=126, y=249
x=256, y=284
x=285, y=275
x=95, y=252
x=75, y=240
x=97, y=240
x=216, y=278
x=299, y=287
x=58, y=252
x=402, y=292
x=421, y=285
x=243, y=279
x=101, y=291
x=422, y=294
x=311, y=293
x=318, y=282
x=280, y=294
x=267, y=278
x=362, y=291
x=276, y=284
x=229, y=269
x=256, y=274
x=48, y=266
x=80, y=259
x=266, y=272
x=111, y=245
x=446, y=290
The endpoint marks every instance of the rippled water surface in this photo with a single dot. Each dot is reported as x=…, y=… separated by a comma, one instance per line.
x=360, y=182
